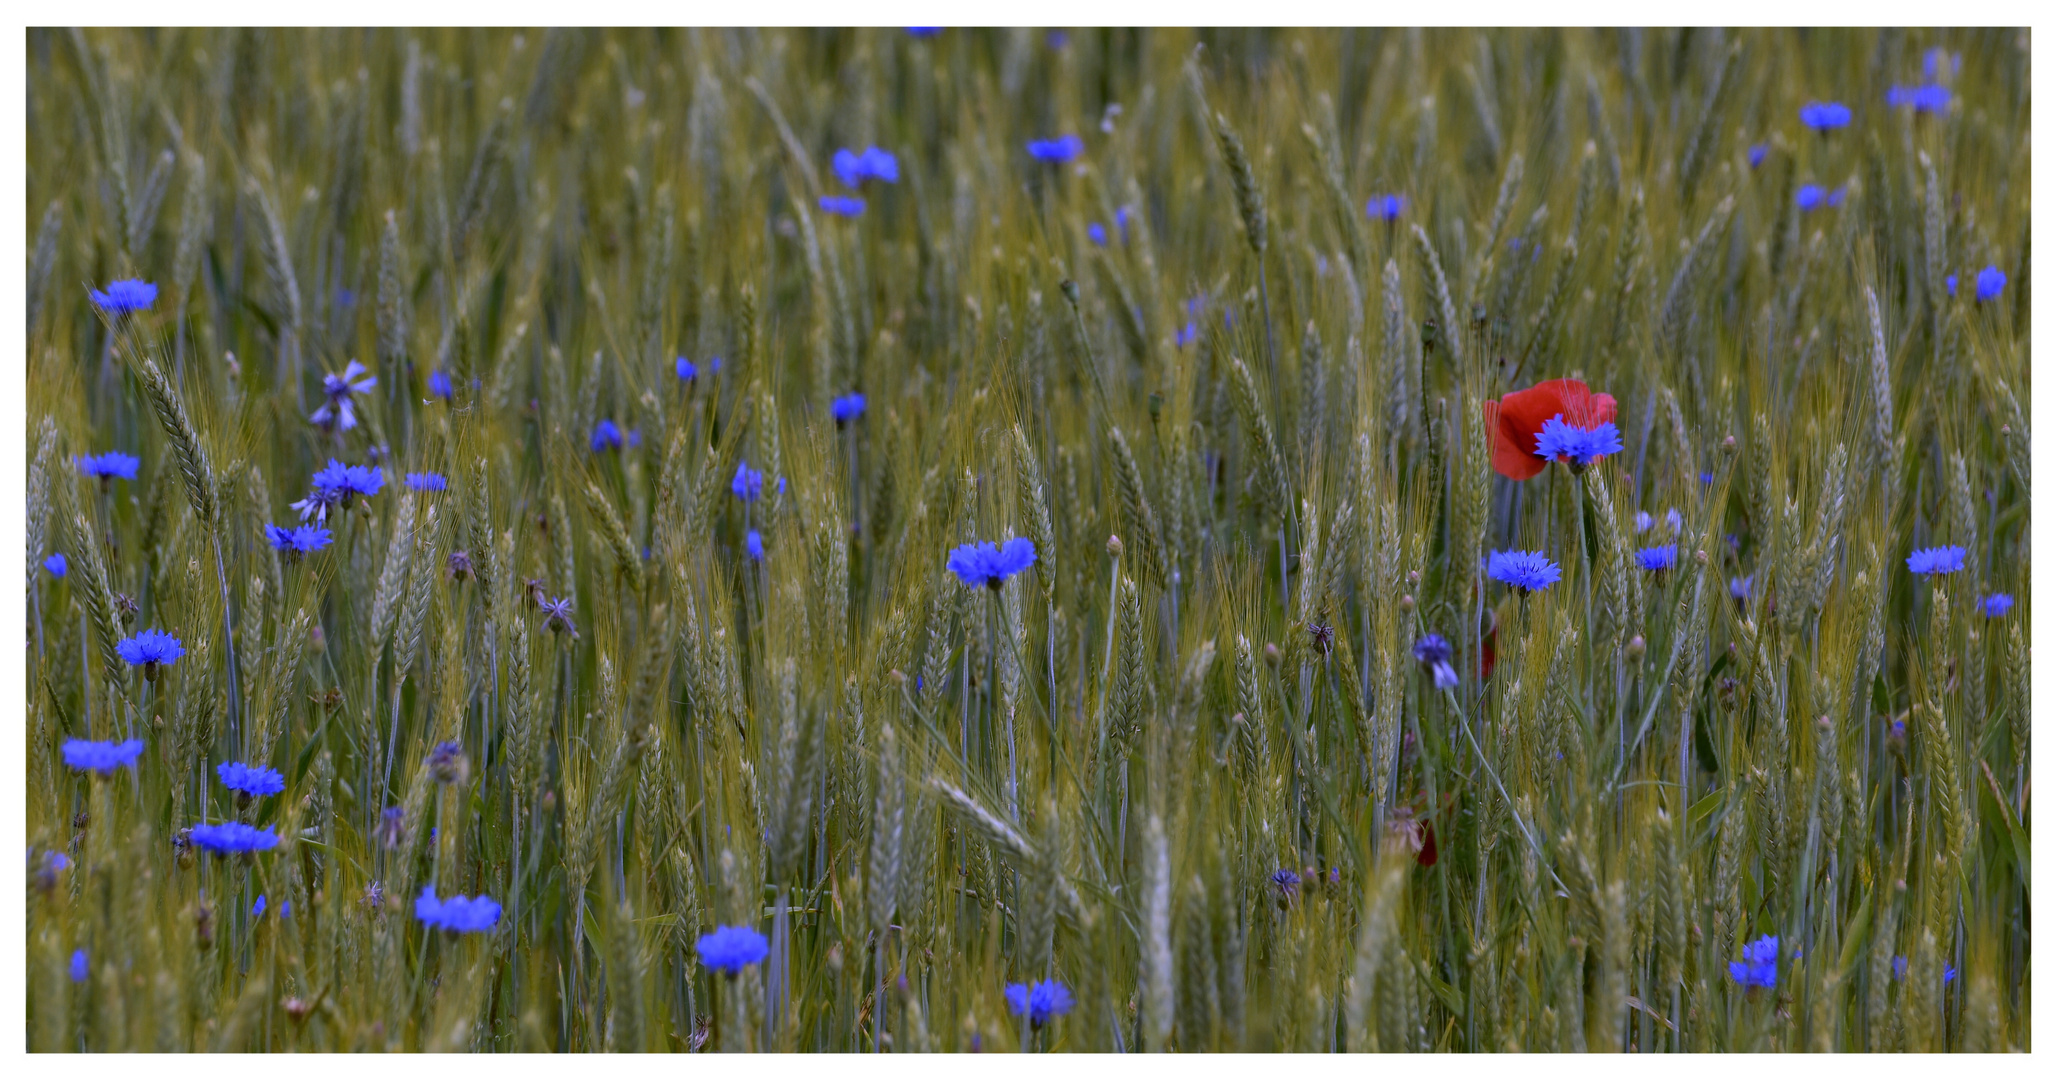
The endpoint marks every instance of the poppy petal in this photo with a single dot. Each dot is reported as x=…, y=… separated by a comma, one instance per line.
x=1513, y=447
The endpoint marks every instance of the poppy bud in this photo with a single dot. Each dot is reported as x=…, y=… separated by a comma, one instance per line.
x=1407, y=604
x=1114, y=547
x=1070, y=290
x=1636, y=646
x=1728, y=444
x=1271, y=654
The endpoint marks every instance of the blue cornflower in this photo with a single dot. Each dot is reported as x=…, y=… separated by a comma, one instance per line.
x=1996, y=605
x=101, y=757
x=1706, y=477
x=635, y=437
x=257, y=909
x=1524, y=570
x=1825, y=115
x=1757, y=154
x=1121, y=216
x=1759, y=965
x=128, y=294
x=1056, y=151
x=1662, y=557
x=730, y=949
x=1433, y=652
x=847, y=408
x=1950, y=283
x=686, y=371
x=753, y=545
x=990, y=564
x=439, y=385
x=149, y=650
x=1581, y=446
x=1097, y=233
x=1186, y=335
x=459, y=914
x=924, y=31
x=297, y=541
x=428, y=481
x=80, y=966
x=606, y=436
x=337, y=412
x=1990, y=281
x=748, y=483
x=250, y=779
x=112, y=465
x=1739, y=587
x=1937, y=560
x=56, y=565
x=234, y=836
x=1810, y=197
x=842, y=205
x=1056, y=39
x=1287, y=881
x=343, y=482
x=1922, y=99
x=853, y=169
x=1385, y=207
x=1041, y=1002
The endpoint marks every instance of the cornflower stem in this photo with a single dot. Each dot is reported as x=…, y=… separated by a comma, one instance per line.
x=992, y=688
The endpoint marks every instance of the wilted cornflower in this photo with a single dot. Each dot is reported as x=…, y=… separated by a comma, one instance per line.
x=989, y=564
x=459, y=565
x=841, y=205
x=606, y=436
x=1433, y=653
x=1759, y=965
x=112, y=465
x=730, y=949
x=101, y=757
x=150, y=650
x=1825, y=115
x=853, y=169
x=80, y=966
x=753, y=545
x=1097, y=233
x=336, y=413
x=127, y=294
x=56, y=565
x=297, y=541
x=439, y=385
x=428, y=481
x=1287, y=881
x=458, y=914
x=250, y=780
x=1578, y=446
x=231, y=837
x=748, y=483
x=1658, y=559
x=1524, y=570
x=1996, y=605
x=1385, y=207
x=1991, y=281
x=557, y=616
x=1756, y=154
x=1947, y=559
x=847, y=408
x=447, y=763
x=392, y=827
x=1041, y=1002
x=1056, y=151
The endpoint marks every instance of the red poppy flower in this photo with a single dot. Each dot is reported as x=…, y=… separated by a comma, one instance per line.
x=1514, y=421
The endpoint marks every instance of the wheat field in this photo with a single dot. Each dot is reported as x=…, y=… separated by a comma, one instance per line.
x=1102, y=540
